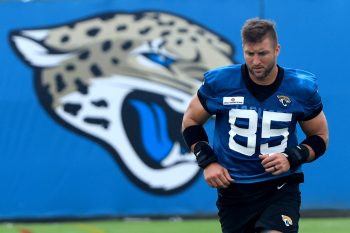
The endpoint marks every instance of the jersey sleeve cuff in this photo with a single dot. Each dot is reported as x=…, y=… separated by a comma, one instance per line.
x=203, y=102
x=313, y=114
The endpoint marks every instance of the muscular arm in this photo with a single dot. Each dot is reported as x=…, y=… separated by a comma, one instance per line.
x=214, y=174
x=315, y=126
x=195, y=114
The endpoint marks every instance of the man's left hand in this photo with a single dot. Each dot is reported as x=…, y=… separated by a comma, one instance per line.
x=275, y=163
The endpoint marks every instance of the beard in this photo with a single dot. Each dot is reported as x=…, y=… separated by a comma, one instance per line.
x=263, y=71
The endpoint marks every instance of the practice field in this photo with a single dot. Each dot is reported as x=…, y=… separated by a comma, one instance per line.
x=308, y=225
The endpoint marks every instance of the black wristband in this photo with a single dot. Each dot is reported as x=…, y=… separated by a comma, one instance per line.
x=193, y=134
x=297, y=155
x=204, y=154
x=317, y=144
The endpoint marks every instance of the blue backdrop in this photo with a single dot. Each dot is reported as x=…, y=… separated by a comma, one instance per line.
x=60, y=158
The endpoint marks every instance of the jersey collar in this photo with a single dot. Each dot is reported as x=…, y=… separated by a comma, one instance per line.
x=261, y=92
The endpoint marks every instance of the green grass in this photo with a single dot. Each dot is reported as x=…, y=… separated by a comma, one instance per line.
x=319, y=225
x=325, y=225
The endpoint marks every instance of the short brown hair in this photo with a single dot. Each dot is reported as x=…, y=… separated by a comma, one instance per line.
x=255, y=30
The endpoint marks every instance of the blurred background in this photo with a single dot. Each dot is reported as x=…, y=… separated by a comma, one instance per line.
x=93, y=92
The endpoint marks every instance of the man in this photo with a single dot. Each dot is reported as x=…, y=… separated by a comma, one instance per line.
x=255, y=162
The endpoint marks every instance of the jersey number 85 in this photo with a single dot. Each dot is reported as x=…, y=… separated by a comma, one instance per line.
x=250, y=132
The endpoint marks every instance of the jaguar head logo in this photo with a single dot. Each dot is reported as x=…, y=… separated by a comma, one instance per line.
x=287, y=220
x=124, y=79
x=284, y=100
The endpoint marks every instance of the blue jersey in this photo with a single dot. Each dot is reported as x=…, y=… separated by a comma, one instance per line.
x=248, y=125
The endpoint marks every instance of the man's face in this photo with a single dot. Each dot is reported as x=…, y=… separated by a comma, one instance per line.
x=261, y=58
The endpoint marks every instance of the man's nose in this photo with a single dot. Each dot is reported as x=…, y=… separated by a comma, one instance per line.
x=256, y=59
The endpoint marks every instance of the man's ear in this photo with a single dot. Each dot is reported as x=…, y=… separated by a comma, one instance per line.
x=278, y=49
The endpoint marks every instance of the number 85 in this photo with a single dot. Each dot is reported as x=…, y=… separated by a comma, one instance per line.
x=251, y=131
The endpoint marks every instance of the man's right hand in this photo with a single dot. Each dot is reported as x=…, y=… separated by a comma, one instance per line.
x=217, y=176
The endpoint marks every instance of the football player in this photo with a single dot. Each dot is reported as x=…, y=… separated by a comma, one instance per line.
x=255, y=162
